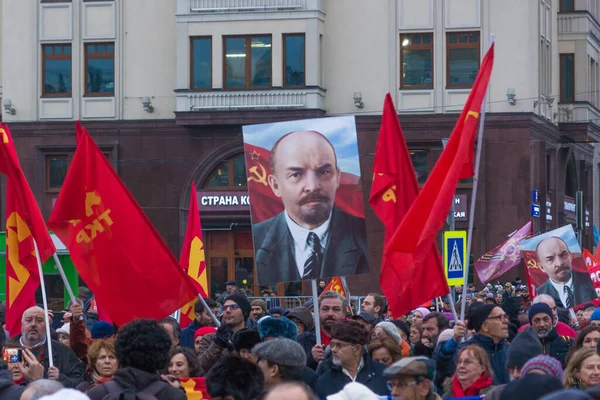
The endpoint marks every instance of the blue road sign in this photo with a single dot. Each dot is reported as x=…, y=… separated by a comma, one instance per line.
x=455, y=256
x=535, y=210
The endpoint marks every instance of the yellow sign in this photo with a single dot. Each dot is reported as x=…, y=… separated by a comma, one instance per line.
x=455, y=257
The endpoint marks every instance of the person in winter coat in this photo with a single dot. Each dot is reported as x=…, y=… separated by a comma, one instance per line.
x=491, y=326
x=202, y=318
x=541, y=320
x=473, y=375
x=142, y=348
x=351, y=362
x=102, y=364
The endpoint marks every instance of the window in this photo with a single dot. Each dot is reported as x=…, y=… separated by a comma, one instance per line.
x=100, y=69
x=247, y=62
x=56, y=171
x=416, y=65
x=566, y=5
x=462, y=59
x=201, y=63
x=567, y=78
x=56, y=70
x=420, y=164
x=294, y=58
x=230, y=175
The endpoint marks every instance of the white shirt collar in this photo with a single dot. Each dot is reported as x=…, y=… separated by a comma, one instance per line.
x=560, y=287
x=300, y=233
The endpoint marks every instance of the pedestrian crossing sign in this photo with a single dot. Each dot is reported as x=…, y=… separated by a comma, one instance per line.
x=455, y=256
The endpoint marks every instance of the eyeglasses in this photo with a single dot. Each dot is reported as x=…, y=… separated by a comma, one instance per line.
x=466, y=363
x=500, y=317
x=399, y=385
x=233, y=307
x=339, y=345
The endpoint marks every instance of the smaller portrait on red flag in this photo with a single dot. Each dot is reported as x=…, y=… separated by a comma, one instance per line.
x=556, y=266
x=306, y=200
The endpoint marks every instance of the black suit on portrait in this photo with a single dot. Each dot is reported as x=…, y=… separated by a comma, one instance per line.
x=583, y=289
x=346, y=252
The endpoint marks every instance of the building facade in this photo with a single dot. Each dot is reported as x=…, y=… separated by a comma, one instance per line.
x=164, y=87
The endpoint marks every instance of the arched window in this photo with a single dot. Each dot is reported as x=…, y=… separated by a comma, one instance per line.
x=231, y=174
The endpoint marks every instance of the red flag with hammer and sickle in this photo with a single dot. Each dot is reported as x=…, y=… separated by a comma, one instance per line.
x=24, y=224
x=192, y=258
x=115, y=248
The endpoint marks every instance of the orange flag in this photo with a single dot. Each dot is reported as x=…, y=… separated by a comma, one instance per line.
x=192, y=258
x=115, y=248
x=24, y=224
x=195, y=388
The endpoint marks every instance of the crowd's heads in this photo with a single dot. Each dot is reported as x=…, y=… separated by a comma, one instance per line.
x=244, y=341
x=200, y=333
x=102, y=330
x=582, y=369
x=201, y=314
x=303, y=319
x=143, y=344
x=386, y=351
x=543, y=364
x=242, y=303
x=33, y=326
x=594, y=317
x=102, y=357
x=402, y=374
x=373, y=304
x=366, y=319
x=354, y=391
x=386, y=329
x=531, y=386
x=271, y=327
x=540, y=318
x=588, y=337
x=332, y=308
x=280, y=360
x=276, y=312
x=40, y=388
x=64, y=333
x=419, y=314
x=258, y=309
x=403, y=328
x=471, y=360
x=433, y=324
x=350, y=332
x=171, y=326
x=232, y=377
x=292, y=391
x=523, y=348
x=183, y=363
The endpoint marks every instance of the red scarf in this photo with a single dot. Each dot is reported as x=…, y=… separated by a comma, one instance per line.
x=481, y=383
x=325, y=340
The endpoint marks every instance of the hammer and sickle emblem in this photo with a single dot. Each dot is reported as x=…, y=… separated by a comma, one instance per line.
x=260, y=177
x=470, y=113
x=390, y=194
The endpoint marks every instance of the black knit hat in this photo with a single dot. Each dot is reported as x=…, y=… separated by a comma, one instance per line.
x=403, y=326
x=478, y=314
x=539, y=308
x=523, y=348
x=350, y=331
x=241, y=301
x=245, y=339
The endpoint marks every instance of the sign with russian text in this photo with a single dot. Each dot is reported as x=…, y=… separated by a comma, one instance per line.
x=223, y=200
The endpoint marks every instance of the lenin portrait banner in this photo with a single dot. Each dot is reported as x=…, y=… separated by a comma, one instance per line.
x=306, y=201
x=557, y=268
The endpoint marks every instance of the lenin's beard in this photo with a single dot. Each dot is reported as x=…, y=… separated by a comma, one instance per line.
x=315, y=208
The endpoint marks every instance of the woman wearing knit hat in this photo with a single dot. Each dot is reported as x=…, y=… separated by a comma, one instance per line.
x=473, y=376
x=389, y=330
x=583, y=370
x=200, y=333
x=419, y=314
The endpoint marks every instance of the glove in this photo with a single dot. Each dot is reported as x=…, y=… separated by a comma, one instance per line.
x=223, y=336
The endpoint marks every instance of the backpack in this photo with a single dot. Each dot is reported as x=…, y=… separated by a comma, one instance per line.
x=116, y=392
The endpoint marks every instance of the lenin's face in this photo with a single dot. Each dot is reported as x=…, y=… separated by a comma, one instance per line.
x=555, y=259
x=306, y=177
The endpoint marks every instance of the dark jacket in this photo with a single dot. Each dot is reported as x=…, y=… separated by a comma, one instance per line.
x=8, y=390
x=136, y=379
x=309, y=377
x=498, y=353
x=346, y=252
x=308, y=340
x=556, y=346
x=370, y=375
x=187, y=335
x=583, y=289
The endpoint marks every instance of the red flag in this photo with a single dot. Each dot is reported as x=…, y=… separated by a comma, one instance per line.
x=412, y=241
x=24, y=224
x=405, y=288
x=502, y=258
x=266, y=204
x=192, y=258
x=195, y=388
x=115, y=248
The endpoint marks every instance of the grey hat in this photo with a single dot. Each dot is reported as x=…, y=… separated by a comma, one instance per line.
x=367, y=317
x=412, y=366
x=281, y=351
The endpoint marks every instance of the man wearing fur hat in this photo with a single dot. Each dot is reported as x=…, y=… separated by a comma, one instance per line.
x=236, y=310
x=351, y=363
x=411, y=379
x=542, y=325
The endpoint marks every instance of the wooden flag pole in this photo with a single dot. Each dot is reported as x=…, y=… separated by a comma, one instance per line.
x=316, y=311
x=473, y=200
x=45, y=301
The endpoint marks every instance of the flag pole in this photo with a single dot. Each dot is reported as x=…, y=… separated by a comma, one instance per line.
x=213, y=316
x=452, y=306
x=473, y=198
x=45, y=301
x=345, y=285
x=64, y=277
x=316, y=311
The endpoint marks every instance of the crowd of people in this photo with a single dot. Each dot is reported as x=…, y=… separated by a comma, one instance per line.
x=509, y=346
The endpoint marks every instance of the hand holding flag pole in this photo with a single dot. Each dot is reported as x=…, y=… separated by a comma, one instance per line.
x=45, y=301
x=474, y=197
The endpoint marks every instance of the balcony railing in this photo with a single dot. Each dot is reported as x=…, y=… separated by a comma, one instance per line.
x=578, y=23
x=578, y=112
x=207, y=6
x=251, y=100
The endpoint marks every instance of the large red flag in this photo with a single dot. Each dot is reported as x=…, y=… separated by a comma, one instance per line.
x=115, y=248
x=412, y=241
x=393, y=191
x=192, y=258
x=24, y=224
